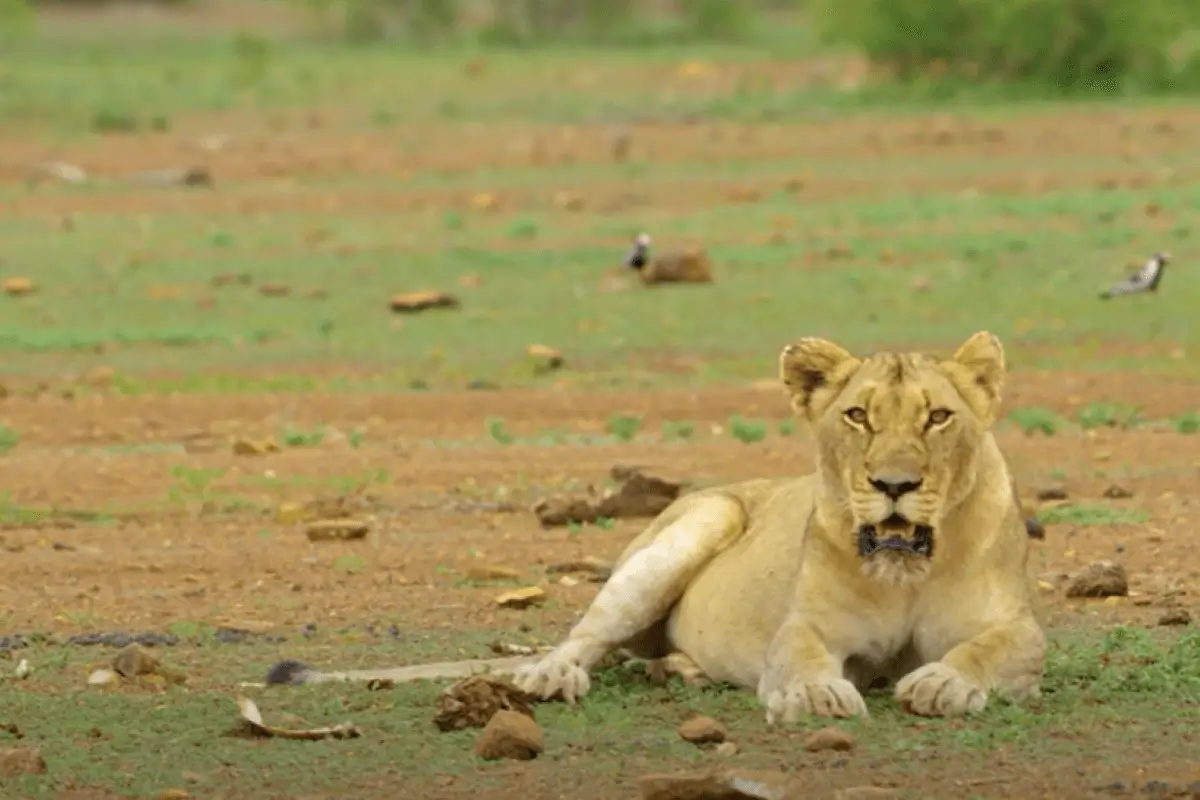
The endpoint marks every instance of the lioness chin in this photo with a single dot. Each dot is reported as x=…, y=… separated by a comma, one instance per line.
x=902, y=558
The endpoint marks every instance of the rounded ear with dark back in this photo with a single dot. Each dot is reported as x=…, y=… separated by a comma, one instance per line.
x=814, y=372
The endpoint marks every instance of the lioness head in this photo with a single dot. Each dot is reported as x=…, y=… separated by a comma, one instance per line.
x=898, y=436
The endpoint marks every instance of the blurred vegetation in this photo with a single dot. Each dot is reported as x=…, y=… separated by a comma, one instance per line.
x=1102, y=46
x=1064, y=46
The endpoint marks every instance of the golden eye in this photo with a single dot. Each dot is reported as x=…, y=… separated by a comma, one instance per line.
x=856, y=415
x=939, y=416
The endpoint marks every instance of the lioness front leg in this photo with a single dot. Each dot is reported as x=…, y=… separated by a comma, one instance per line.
x=640, y=592
x=802, y=676
x=1009, y=658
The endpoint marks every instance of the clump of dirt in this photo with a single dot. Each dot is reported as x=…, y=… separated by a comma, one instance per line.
x=473, y=701
x=640, y=495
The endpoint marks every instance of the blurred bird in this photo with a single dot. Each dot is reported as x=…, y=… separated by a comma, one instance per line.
x=684, y=266
x=639, y=256
x=1145, y=279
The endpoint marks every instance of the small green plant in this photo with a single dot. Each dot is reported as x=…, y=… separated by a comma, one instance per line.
x=523, y=229
x=294, y=437
x=605, y=523
x=498, y=430
x=350, y=564
x=196, y=479
x=787, y=427
x=109, y=120
x=1187, y=423
x=1084, y=514
x=453, y=221
x=9, y=438
x=1106, y=415
x=623, y=426
x=747, y=431
x=677, y=431
x=355, y=438
x=1037, y=420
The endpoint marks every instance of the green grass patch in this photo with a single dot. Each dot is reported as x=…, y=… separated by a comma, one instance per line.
x=139, y=742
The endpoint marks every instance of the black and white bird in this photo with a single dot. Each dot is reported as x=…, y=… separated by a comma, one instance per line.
x=639, y=256
x=1145, y=279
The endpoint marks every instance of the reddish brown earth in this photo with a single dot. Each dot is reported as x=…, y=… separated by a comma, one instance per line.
x=169, y=556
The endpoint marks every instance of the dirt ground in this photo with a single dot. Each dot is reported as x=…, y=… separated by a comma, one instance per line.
x=440, y=509
x=189, y=529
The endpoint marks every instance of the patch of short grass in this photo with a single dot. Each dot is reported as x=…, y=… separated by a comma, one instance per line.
x=141, y=741
x=1092, y=514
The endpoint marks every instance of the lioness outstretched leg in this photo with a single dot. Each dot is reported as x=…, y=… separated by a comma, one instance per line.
x=640, y=592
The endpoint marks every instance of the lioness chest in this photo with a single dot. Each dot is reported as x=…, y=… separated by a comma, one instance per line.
x=729, y=613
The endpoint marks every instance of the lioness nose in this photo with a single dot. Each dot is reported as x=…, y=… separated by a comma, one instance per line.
x=895, y=486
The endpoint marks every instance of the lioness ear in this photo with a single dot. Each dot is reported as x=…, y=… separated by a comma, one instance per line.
x=980, y=361
x=814, y=371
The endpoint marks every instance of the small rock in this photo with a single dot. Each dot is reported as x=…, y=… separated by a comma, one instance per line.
x=254, y=447
x=866, y=793
x=726, y=749
x=472, y=702
x=178, y=176
x=702, y=730
x=18, y=286
x=545, y=359
x=830, y=738
x=1100, y=579
x=133, y=660
x=101, y=677
x=58, y=170
x=21, y=761
x=522, y=598
x=326, y=530
x=413, y=302
x=23, y=669
x=599, y=570
x=1051, y=493
x=712, y=785
x=1115, y=492
x=492, y=573
x=174, y=794
x=1176, y=616
x=274, y=289
x=509, y=734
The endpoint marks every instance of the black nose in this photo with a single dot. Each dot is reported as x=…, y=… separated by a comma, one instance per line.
x=895, y=488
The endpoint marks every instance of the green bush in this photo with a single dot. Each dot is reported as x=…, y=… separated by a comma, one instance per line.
x=1070, y=45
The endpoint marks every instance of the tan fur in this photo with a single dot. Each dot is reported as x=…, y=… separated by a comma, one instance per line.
x=761, y=583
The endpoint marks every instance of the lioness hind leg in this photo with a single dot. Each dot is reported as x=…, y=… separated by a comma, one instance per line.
x=640, y=593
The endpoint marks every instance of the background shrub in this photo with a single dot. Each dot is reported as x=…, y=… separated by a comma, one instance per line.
x=1070, y=45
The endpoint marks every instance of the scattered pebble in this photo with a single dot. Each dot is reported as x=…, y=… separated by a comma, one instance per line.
x=522, y=598
x=1175, y=616
x=713, y=785
x=511, y=735
x=830, y=738
x=1100, y=579
x=702, y=730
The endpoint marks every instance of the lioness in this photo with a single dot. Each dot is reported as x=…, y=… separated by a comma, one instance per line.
x=902, y=558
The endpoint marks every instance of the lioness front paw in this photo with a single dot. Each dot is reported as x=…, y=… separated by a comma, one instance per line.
x=939, y=690
x=557, y=673
x=829, y=698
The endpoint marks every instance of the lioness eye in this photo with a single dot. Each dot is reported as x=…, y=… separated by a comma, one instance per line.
x=856, y=415
x=940, y=416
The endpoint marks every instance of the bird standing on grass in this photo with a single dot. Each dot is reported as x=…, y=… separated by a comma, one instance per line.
x=690, y=265
x=1145, y=279
x=639, y=256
